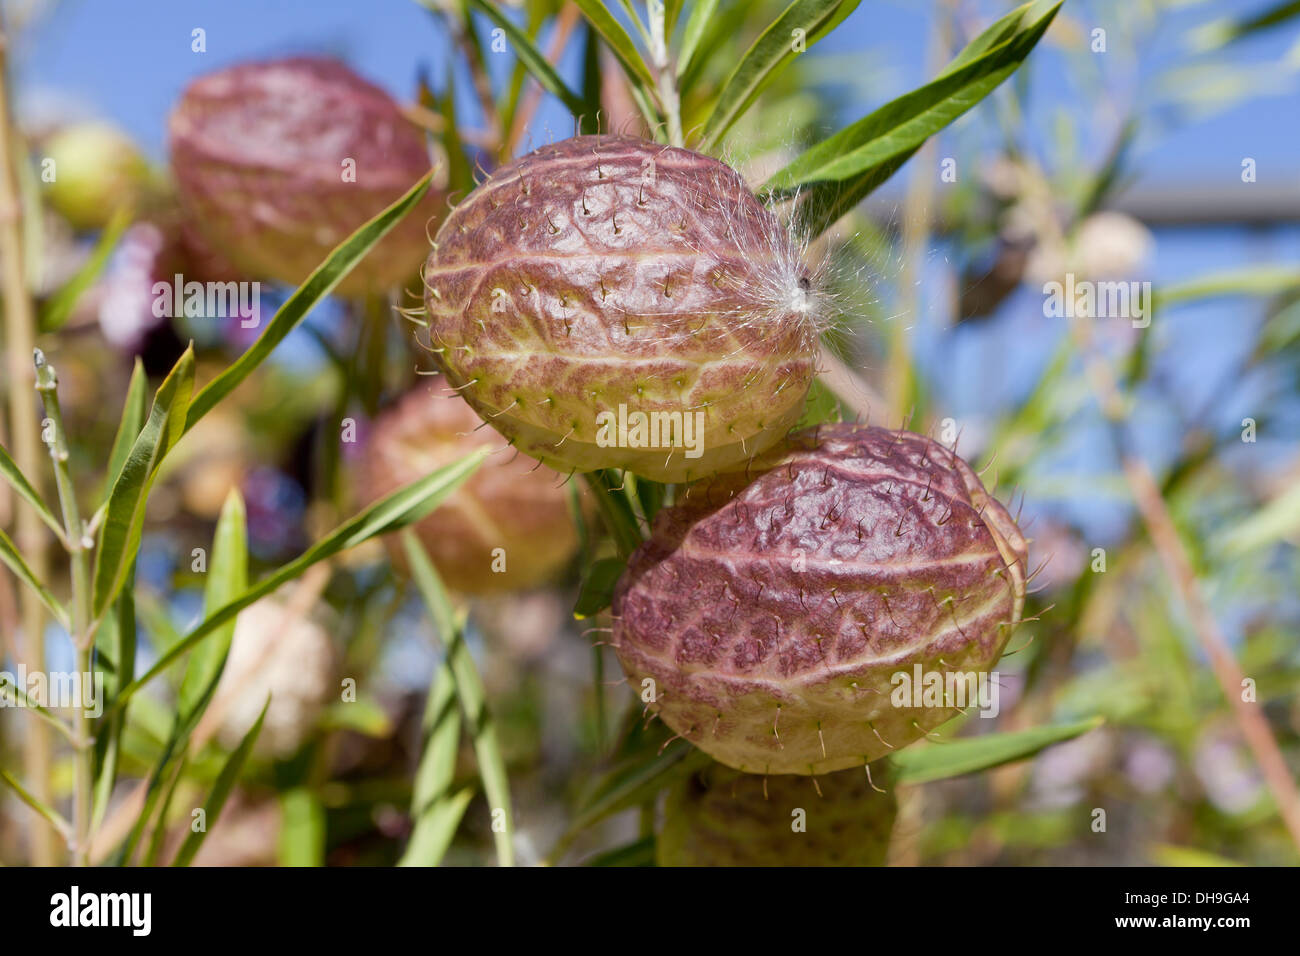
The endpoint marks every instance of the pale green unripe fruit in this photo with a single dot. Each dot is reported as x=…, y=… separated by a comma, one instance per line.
x=96, y=169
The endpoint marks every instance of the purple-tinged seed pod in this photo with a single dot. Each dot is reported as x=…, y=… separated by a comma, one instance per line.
x=765, y=621
x=280, y=161
x=606, y=278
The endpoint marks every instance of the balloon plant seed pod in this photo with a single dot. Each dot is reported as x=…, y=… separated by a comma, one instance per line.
x=508, y=527
x=764, y=620
x=280, y=650
x=610, y=302
x=720, y=817
x=280, y=161
x=96, y=169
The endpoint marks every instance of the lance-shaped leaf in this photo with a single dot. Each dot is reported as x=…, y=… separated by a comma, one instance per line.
x=972, y=754
x=404, y=506
x=432, y=806
x=11, y=557
x=319, y=284
x=470, y=691
x=227, y=580
x=221, y=789
x=836, y=174
x=11, y=473
x=532, y=58
x=115, y=645
x=619, y=41
x=701, y=13
x=799, y=26
x=135, y=410
x=124, y=515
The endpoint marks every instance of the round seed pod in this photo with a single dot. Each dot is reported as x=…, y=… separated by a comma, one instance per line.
x=768, y=619
x=96, y=169
x=609, y=302
x=278, y=651
x=507, y=528
x=720, y=817
x=279, y=161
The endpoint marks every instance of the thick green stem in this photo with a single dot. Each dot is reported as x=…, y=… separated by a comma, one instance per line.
x=78, y=544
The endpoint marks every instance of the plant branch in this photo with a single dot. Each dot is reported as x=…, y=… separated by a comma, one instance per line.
x=665, y=73
x=568, y=20
x=47, y=384
x=1173, y=556
x=30, y=535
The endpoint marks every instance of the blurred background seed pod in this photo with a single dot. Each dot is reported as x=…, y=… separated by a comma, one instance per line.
x=508, y=527
x=721, y=817
x=96, y=169
x=280, y=650
x=277, y=162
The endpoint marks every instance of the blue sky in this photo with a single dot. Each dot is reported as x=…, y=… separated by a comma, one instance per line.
x=128, y=60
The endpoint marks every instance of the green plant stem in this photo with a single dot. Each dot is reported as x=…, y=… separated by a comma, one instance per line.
x=74, y=532
x=30, y=536
x=665, y=73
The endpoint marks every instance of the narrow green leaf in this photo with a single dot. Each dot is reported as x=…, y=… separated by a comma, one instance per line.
x=10, y=471
x=1219, y=33
x=770, y=53
x=432, y=808
x=134, y=412
x=837, y=173
x=319, y=284
x=58, y=308
x=597, y=591
x=220, y=792
x=404, y=506
x=227, y=579
x=972, y=754
x=532, y=58
x=116, y=641
x=672, y=10
x=632, y=781
x=696, y=23
x=49, y=813
x=157, y=839
x=124, y=517
x=441, y=735
x=11, y=691
x=302, y=829
x=14, y=560
x=1252, y=280
x=619, y=42
x=435, y=829
x=1276, y=521
x=473, y=696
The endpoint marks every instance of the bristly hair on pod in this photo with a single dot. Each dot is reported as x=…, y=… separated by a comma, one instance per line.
x=785, y=279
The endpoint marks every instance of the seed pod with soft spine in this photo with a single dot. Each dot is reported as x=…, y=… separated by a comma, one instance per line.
x=509, y=527
x=280, y=161
x=721, y=817
x=605, y=275
x=766, y=618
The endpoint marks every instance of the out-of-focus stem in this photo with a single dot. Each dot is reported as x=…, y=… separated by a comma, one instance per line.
x=569, y=18
x=30, y=533
x=47, y=383
x=1173, y=556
